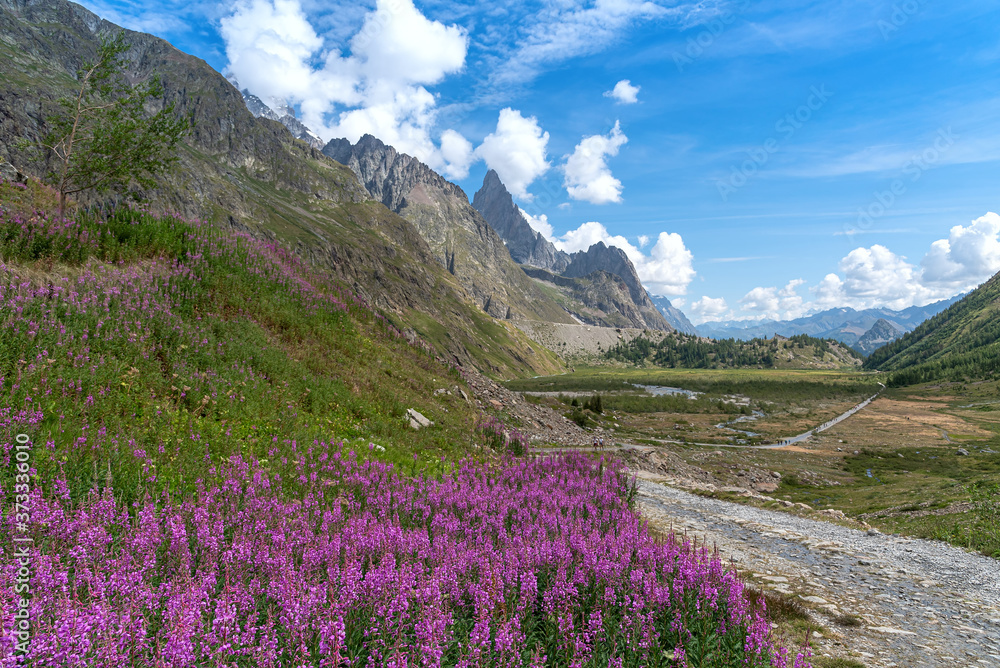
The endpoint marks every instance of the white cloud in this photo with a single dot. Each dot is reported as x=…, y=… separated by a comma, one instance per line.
x=539, y=223
x=643, y=240
x=587, y=175
x=565, y=30
x=624, y=92
x=708, y=308
x=969, y=255
x=516, y=150
x=876, y=277
x=379, y=88
x=774, y=303
x=457, y=153
x=668, y=269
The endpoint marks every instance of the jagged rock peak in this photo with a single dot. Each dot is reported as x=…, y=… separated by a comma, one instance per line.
x=613, y=260
x=387, y=174
x=525, y=244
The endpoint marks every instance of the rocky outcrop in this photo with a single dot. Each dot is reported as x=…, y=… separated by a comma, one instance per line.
x=463, y=242
x=594, y=298
x=526, y=246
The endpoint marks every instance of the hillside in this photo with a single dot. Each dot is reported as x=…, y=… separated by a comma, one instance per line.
x=251, y=175
x=961, y=342
x=692, y=352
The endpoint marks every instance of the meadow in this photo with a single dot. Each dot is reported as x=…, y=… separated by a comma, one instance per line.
x=792, y=401
x=203, y=443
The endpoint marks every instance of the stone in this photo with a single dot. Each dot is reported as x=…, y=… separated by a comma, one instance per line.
x=9, y=173
x=814, y=599
x=873, y=532
x=962, y=452
x=417, y=420
x=775, y=474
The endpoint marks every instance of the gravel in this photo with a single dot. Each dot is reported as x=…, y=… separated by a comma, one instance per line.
x=921, y=603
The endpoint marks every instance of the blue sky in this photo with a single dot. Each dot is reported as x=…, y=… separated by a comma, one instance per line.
x=759, y=159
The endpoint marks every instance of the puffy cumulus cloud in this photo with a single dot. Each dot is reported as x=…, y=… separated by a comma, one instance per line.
x=378, y=88
x=643, y=240
x=668, y=269
x=516, y=150
x=829, y=293
x=587, y=175
x=624, y=92
x=708, y=308
x=775, y=303
x=969, y=256
x=539, y=223
x=457, y=153
x=877, y=277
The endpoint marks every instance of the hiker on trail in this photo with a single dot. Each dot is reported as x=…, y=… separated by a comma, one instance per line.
x=602, y=442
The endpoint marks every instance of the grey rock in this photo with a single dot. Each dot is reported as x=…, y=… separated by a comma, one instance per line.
x=962, y=452
x=9, y=173
x=417, y=420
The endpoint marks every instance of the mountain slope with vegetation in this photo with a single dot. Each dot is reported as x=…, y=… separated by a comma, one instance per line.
x=692, y=352
x=962, y=341
x=251, y=175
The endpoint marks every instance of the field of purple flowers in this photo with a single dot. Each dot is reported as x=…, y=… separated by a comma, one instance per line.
x=191, y=395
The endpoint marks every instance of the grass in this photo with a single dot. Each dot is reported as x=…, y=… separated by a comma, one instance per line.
x=126, y=333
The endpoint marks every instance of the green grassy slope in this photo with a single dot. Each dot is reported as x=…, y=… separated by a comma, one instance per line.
x=136, y=347
x=961, y=341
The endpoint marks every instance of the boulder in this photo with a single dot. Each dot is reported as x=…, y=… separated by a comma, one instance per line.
x=416, y=420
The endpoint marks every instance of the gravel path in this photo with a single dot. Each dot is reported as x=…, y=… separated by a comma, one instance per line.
x=921, y=603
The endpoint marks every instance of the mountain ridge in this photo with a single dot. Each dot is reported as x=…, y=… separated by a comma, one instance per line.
x=532, y=250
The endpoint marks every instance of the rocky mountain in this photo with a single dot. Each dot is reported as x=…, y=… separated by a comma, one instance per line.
x=881, y=333
x=844, y=324
x=462, y=241
x=240, y=171
x=674, y=315
x=526, y=245
x=961, y=342
x=595, y=267
x=285, y=115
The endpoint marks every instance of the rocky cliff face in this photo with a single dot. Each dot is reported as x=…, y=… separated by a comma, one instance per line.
x=532, y=250
x=674, y=316
x=526, y=246
x=463, y=242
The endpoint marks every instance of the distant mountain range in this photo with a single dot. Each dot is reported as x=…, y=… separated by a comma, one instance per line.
x=844, y=324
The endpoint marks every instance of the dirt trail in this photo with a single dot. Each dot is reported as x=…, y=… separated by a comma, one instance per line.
x=920, y=603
